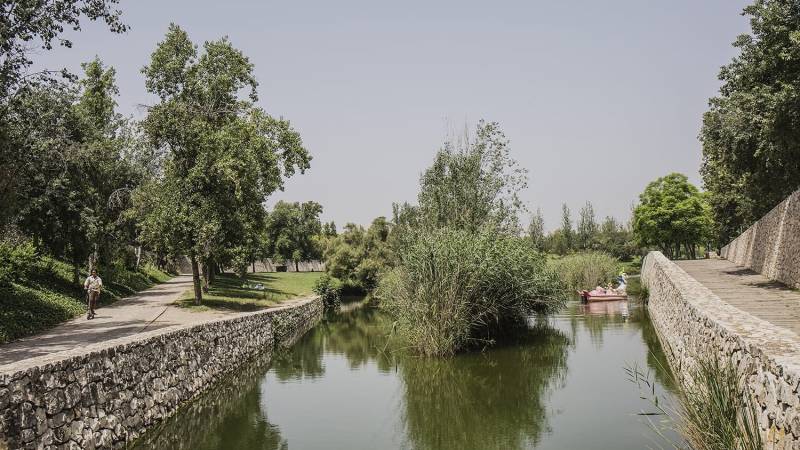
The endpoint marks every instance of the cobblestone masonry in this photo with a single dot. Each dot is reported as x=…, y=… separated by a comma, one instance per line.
x=772, y=245
x=694, y=323
x=106, y=395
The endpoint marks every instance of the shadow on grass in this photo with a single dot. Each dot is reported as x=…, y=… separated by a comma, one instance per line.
x=231, y=293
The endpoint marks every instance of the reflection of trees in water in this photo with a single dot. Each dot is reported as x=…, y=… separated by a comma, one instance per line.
x=490, y=400
x=637, y=317
x=228, y=416
x=656, y=358
x=361, y=335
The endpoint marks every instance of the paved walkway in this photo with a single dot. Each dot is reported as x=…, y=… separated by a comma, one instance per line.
x=147, y=311
x=748, y=291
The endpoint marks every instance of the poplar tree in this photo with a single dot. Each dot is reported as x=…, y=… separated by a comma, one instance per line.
x=224, y=154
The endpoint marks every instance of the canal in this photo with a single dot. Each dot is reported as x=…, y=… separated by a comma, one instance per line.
x=560, y=384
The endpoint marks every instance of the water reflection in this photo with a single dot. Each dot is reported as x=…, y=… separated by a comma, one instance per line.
x=226, y=417
x=490, y=400
x=346, y=385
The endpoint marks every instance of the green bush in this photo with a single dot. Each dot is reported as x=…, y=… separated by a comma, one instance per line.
x=359, y=257
x=330, y=290
x=17, y=261
x=452, y=288
x=586, y=270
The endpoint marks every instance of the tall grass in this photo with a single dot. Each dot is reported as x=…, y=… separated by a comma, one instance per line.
x=586, y=270
x=453, y=289
x=715, y=410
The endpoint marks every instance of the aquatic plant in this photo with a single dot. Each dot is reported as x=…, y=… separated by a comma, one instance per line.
x=714, y=410
x=586, y=270
x=454, y=288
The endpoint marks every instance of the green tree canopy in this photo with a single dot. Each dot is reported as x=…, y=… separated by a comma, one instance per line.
x=473, y=184
x=80, y=169
x=751, y=132
x=292, y=231
x=536, y=231
x=673, y=214
x=586, y=234
x=224, y=155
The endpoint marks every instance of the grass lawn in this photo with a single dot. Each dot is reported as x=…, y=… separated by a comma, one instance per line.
x=229, y=292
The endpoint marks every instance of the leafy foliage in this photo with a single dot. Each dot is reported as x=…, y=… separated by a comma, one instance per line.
x=224, y=154
x=358, y=257
x=292, y=230
x=330, y=290
x=473, y=184
x=751, y=132
x=673, y=214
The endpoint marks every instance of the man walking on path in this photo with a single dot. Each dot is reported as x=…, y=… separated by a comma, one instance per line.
x=93, y=285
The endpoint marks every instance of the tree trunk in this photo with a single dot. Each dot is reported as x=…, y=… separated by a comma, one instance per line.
x=198, y=291
x=297, y=266
x=138, y=256
x=212, y=272
x=206, y=270
x=76, y=274
x=254, y=267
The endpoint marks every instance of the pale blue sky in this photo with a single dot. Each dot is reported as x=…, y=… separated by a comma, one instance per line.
x=617, y=86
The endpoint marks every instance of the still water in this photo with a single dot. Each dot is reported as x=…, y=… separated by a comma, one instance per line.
x=344, y=385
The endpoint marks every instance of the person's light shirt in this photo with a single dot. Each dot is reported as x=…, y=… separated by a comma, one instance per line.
x=93, y=283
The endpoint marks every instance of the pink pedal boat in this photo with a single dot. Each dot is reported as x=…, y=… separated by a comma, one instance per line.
x=587, y=296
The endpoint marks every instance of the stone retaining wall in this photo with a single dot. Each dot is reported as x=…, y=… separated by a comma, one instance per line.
x=772, y=245
x=107, y=395
x=693, y=323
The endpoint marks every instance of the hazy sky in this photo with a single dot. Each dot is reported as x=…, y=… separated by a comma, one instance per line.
x=613, y=87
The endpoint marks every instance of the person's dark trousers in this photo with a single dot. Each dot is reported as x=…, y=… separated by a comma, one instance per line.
x=93, y=296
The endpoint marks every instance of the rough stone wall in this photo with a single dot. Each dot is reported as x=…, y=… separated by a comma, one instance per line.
x=693, y=323
x=104, y=396
x=772, y=245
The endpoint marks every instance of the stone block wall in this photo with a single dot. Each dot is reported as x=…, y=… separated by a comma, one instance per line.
x=693, y=323
x=772, y=245
x=107, y=395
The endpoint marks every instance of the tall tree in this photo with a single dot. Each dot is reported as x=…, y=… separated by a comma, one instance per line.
x=673, y=215
x=473, y=183
x=26, y=28
x=587, y=227
x=567, y=234
x=536, y=230
x=292, y=230
x=224, y=154
x=80, y=170
x=751, y=132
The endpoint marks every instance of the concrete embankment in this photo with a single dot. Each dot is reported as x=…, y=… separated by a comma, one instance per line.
x=694, y=323
x=108, y=394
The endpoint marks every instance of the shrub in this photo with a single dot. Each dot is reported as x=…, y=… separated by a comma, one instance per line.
x=330, y=290
x=17, y=261
x=585, y=270
x=358, y=257
x=453, y=288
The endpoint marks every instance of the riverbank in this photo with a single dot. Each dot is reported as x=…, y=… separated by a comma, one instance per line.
x=694, y=323
x=109, y=393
